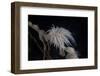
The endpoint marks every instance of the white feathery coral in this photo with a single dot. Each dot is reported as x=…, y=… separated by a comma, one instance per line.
x=60, y=37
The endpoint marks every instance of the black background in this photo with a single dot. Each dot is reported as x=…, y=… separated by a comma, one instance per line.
x=77, y=25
